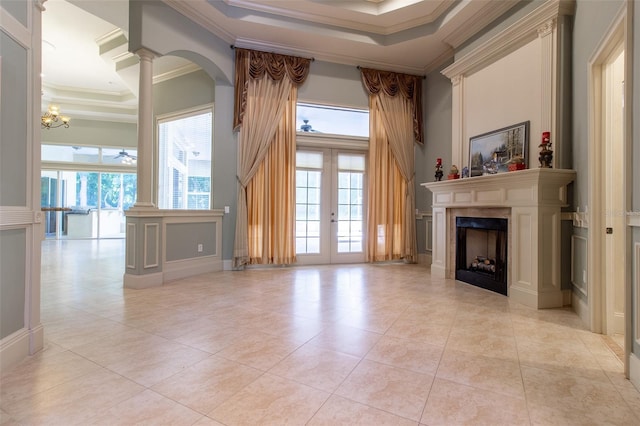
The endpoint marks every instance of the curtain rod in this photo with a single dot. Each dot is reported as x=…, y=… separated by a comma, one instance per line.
x=311, y=59
x=424, y=77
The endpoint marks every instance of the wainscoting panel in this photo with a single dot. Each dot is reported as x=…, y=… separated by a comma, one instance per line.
x=131, y=245
x=151, y=245
x=578, y=251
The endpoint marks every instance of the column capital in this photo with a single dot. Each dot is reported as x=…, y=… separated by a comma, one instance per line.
x=146, y=54
x=40, y=4
x=457, y=79
x=547, y=28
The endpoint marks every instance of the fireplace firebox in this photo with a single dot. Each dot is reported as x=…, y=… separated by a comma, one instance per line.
x=481, y=252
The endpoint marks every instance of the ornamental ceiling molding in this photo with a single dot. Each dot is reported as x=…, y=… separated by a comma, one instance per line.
x=530, y=27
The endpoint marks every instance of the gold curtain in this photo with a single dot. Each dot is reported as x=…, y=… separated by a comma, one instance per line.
x=265, y=99
x=271, y=198
x=391, y=231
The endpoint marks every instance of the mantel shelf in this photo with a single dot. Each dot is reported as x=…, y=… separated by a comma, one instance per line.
x=531, y=187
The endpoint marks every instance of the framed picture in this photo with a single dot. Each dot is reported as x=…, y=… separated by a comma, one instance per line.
x=493, y=152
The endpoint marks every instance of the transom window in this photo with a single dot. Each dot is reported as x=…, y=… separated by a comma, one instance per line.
x=314, y=118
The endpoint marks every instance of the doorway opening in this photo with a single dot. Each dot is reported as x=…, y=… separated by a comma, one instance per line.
x=608, y=178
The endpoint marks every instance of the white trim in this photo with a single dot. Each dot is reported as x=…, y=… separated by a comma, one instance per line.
x=179, y=269
x=227, y=265
x=596, y=176
x=130, y=241
x=634, y=370
x=142, y=281
x=580, y=307
x=14, y=348
x=633, y=219
x=575, y=238
x=14, y=29
x=145, y=249
x=636, y=290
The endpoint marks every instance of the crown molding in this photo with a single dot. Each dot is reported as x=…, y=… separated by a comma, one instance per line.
x=199, y=12
x=513, y=37
x=178, y=72
x=490, y=12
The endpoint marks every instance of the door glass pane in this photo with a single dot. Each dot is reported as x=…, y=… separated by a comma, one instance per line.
x=308, y=192
x=350, y=192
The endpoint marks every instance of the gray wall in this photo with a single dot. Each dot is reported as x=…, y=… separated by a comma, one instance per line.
x=13, y=123
x=12, y=277
x=94, y=132
x=182, y=240
x=334, y=84
x=436, y=95
x=184, y=92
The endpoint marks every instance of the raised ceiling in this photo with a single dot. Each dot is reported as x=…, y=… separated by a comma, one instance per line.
x=85, y=44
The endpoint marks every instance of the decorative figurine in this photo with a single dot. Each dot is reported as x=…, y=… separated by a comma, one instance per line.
x=465, y=172
x=439, y=172
x=453, y=173
x=546, y=154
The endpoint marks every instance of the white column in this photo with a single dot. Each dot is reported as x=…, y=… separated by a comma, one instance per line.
x=457, y=120
x=548, y=65
x=145, y=131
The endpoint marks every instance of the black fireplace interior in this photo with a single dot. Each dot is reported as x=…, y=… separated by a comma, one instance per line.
x=481, y=252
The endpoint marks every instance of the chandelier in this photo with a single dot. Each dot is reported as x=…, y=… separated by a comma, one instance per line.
x=52, y=118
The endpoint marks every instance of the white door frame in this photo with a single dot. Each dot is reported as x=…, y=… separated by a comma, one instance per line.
x=616, y=35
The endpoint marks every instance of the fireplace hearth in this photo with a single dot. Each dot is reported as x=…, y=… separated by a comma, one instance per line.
x=481, y=252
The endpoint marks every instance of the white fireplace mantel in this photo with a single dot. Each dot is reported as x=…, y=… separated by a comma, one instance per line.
x=534, y=198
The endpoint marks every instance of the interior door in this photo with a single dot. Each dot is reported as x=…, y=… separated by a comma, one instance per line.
x=330, y=199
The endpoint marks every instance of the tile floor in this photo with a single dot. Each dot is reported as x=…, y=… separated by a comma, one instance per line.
x=329, y=345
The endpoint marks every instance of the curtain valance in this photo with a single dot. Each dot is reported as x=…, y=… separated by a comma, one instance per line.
x=392, y=84
x=253, y=64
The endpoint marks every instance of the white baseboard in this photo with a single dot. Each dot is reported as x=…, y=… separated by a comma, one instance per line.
x=634, y=370
x=187, y=268
x=227, y=265
x=566, y=297
x=142, y=281
x=580, y=308
x=14, y=348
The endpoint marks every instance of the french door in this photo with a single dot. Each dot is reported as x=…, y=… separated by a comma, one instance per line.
x=330, y=192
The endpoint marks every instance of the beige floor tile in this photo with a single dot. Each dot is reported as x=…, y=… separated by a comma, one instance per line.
x=349, y=340
x=397, y=391
x=497, y=375
x=270, y=400
x=147, y=408
x=412, y=355
x=483, y=343
x=452, y=403
x=42, y=372
x=270, y=345
x=73, y=402
x=319, y=368
x=427, y=331
x=573, y=359
x=157, y=363
x=341, y=411
x=258, y=350
x=554, y=398
x=207, y=384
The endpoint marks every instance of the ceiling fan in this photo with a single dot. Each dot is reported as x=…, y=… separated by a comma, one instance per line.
x=126, y=157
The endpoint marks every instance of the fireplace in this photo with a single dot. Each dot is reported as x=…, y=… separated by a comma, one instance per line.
x=481, y=252
x=530, y=200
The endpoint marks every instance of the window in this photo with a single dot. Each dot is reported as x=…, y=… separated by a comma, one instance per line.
x=332, y=120
x=184, y=171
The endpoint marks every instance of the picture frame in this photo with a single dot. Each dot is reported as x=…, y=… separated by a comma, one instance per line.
x=493, y=152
